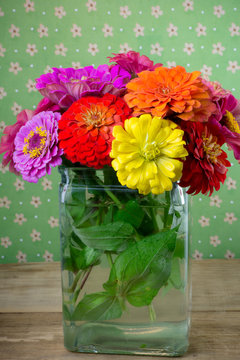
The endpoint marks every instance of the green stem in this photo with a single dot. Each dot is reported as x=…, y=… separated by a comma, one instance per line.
x=152, y=313
x=109, y=258
x=110, y=194
x=77, y=277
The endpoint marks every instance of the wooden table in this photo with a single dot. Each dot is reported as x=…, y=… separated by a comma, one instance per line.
x=30, y=313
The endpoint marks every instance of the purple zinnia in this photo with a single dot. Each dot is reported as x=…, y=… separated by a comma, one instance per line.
x=36, y=146
x=64, y=86
x=133, y=62
x=227, y=123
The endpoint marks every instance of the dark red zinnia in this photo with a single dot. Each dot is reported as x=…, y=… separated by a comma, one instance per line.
x=85, y=129
x=206, y=165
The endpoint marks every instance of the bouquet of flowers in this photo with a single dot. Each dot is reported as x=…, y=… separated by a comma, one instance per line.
x=154, y=125
x=134, y=125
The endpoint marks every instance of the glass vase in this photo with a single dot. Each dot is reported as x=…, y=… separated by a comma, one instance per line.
x=125, y=267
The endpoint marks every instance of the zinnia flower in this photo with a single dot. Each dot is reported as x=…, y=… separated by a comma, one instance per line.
x=170, y=92
x=133, y=62
x=64, y=86
x=227, y=124
x=85, y=129
x=36, y=146
x=146, y=154
x=7, y=140
x=206, y=165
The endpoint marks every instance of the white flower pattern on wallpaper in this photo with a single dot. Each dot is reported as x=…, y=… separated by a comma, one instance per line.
x=75, y=33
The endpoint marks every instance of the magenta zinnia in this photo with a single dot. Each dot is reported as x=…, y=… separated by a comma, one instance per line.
x=64, y=86
x=36, y=146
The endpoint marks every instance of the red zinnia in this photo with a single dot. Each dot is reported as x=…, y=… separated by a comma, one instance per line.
x=85, y=129
x=206, y=165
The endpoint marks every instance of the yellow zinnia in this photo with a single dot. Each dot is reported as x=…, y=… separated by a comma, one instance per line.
x=146, y=153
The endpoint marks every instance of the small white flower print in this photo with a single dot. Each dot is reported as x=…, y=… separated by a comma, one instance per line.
x=22, y=258
x=156, y=11
x=19, y=219
x=60, y=49
x=91, y=5
x=93, y=49
x=31, y=49
x=188, y=48
x=76, y=65
x=2, y=126
x=171, y=64
x=15, y=68
x=5, y=202
x=46, y=184
x=218, y=11
x=139, y=30
x=31, y=85
x=3, y=169
x=19, y=184
x=197, y=255
x=2, y=93
x=125, y=12
x=59, y=12
x=14, y=31
x=233, y=66
x=1, y=12
x=215, y=201
x=42, y=30
x=107, y=30
x=36, y=201
x=234, y=30
x=206, y=71
x=172, y=30
x=156, y=49
x=2, y=50
x=5, y=242
x=124, y=48
x=230, y=218
x=231, y=184
x=188, y=5
x=229, y=255
x=214, y=240
x=35, y=235
x=76, y=30
x=16, y=109
x=201, y=30
x=29, y=6
x=48, y=69
x=203, y=221
x=53, y=222
x=48, y=256
x=218, y=49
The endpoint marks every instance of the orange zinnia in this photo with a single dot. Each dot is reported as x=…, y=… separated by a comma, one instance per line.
x=170, y=92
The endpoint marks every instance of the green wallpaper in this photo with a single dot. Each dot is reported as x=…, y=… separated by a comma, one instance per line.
x=36, y=35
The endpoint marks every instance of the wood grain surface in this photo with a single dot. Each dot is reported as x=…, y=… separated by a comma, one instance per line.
x=31, y=322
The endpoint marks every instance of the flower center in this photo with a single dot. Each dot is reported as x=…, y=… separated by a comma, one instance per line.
x=151, y=151
x=230, y=122
x=211, y=148
x=35, y=142
x=95, y=116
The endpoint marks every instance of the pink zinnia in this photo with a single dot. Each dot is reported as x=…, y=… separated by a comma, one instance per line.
x=36, y=146
x=7, y=140
x=133, y=62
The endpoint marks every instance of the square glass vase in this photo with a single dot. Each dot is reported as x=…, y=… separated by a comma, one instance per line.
x=125, y=266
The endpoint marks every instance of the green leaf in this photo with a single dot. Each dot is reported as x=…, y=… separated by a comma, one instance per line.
x=143, y=268
x=110, y=237
x=83, y=257
x=175, y=280
x=98, y=307
x=131, y=213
